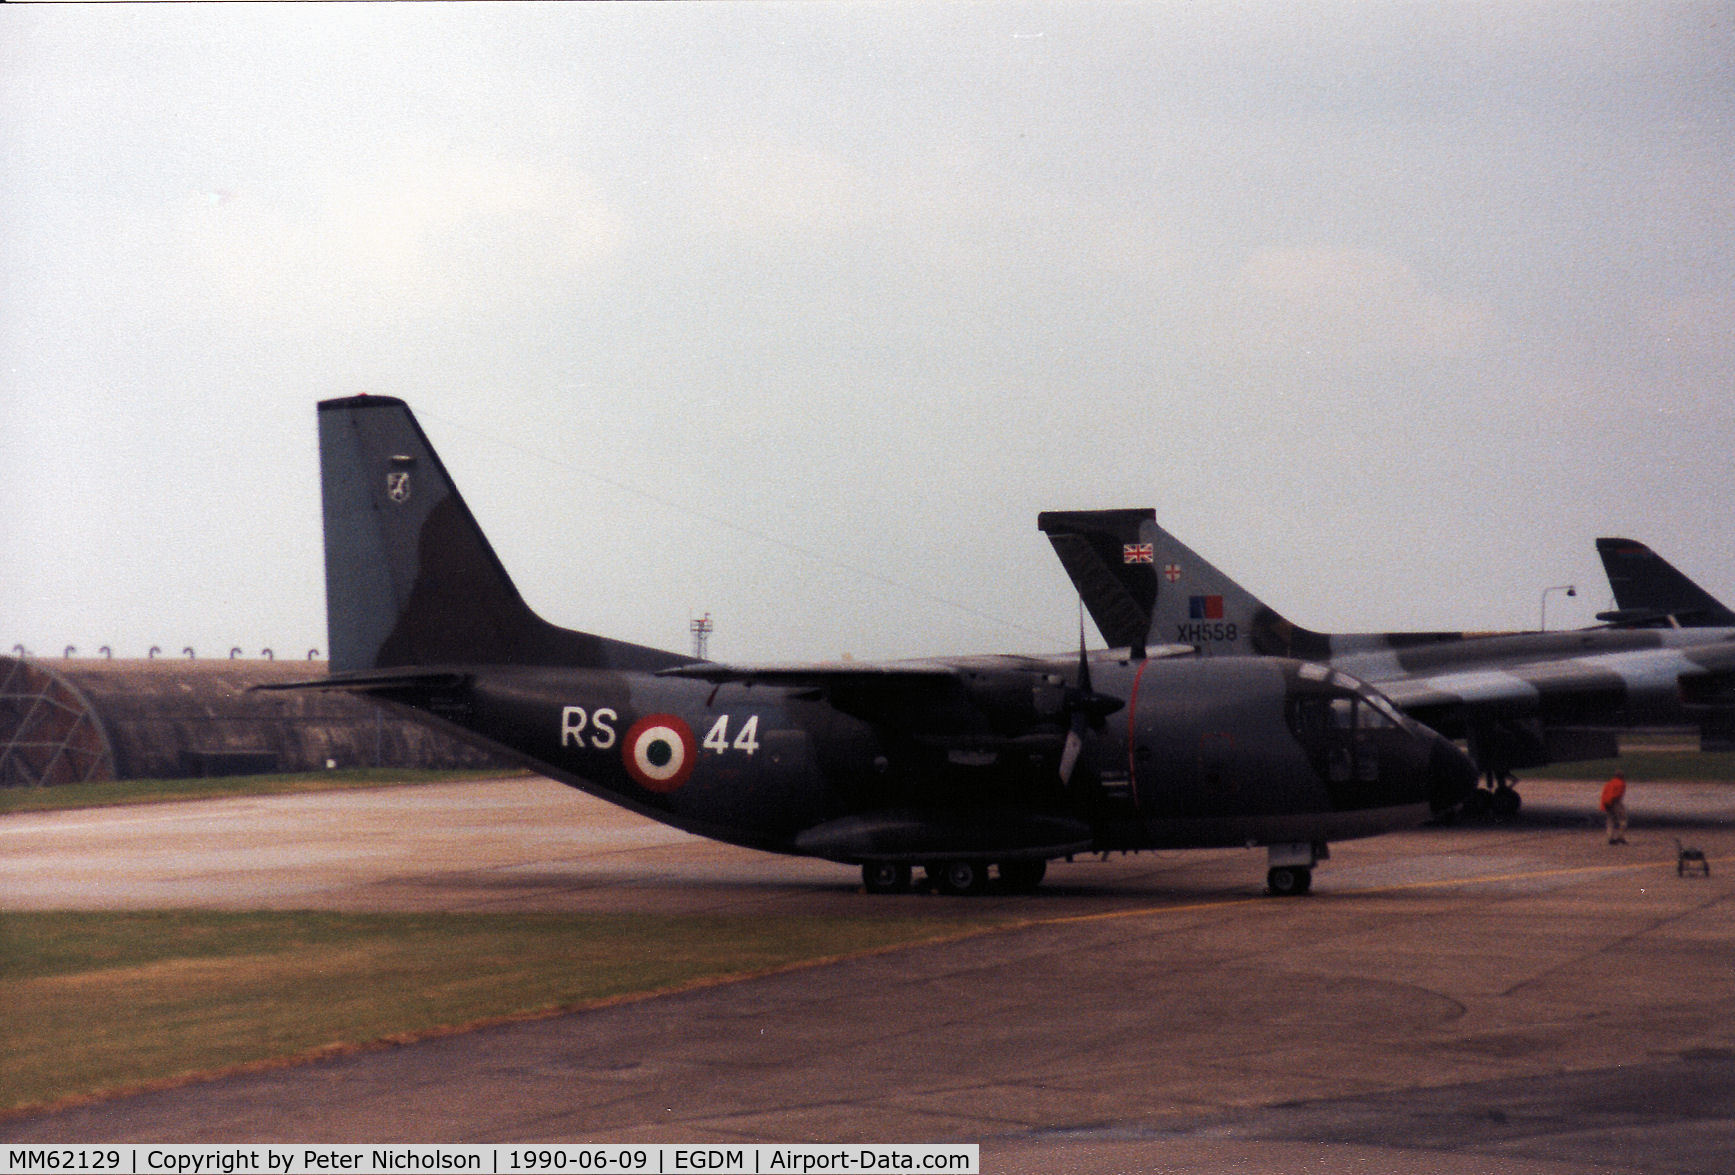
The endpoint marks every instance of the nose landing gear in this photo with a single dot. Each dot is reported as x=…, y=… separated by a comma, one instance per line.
x=1497, y=797
x=1291, y=872
x=1289, y=881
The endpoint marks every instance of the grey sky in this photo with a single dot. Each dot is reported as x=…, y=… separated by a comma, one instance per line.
x=799, y=313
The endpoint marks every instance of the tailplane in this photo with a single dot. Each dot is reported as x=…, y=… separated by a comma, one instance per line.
x=409, y=577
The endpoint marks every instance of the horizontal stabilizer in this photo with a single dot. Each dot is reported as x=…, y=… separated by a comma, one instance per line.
x=1634, y=617
x=365, y=682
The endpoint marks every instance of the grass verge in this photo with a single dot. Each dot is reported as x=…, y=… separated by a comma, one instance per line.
x=106, y=1002
x=159, y=791
x=1647, y=766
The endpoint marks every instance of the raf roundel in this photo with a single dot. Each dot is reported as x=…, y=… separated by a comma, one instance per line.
x=659, y=752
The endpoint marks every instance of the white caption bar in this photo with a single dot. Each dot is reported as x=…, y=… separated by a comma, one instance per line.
x=516, y=1159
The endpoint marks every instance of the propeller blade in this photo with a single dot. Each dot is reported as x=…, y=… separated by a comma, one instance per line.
x=1083, y=661
x=1086, y=707
x=1069, y=754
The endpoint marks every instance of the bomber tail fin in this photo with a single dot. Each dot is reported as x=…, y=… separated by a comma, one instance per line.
x=1648, y=589
x=1138, y=579
x=409, y=577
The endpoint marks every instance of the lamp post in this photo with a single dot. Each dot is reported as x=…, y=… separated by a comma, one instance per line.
x=1568, y=588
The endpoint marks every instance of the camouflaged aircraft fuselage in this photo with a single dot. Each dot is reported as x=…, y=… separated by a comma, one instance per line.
x=955, y=764
x=1519, y=699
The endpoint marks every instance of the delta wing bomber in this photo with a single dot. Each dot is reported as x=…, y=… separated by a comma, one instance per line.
x=970, y=768
x=1517, y=699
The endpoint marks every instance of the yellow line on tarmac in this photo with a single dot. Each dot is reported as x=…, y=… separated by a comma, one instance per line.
x=1372, y=891
x=1630, y=867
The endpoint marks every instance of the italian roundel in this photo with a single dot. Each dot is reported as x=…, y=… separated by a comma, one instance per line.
x=659, y=752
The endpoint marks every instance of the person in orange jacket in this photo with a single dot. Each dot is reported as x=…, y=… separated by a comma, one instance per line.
x=1614, y=807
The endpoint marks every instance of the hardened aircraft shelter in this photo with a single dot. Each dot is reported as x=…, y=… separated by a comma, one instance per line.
x=78, y=720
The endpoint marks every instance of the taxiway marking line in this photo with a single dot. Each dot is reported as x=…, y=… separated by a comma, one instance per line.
x=1372, y=891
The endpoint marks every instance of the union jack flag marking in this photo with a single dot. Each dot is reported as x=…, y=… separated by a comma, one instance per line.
x=1137, y=553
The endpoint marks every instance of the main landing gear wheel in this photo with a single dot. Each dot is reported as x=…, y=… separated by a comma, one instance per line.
x=1506, y=800
x=885, y=877
x=1022, y=876
x=1288, y=881
x=959, y=877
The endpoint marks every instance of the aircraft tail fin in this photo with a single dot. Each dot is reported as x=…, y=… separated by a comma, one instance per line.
x=1122, y=563
x=1648, y=589
x=1109, y=563
x=410, y=579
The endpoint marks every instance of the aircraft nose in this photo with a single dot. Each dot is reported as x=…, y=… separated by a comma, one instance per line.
x=1452, y=775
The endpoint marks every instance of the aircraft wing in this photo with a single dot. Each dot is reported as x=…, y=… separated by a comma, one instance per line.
x=824, y=673
x=921, y=698
x=1595, y=689
x=964, y=706
x=913, y=670
x=1549, y=691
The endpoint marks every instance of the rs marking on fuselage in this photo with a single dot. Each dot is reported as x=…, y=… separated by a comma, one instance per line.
x=594, y=729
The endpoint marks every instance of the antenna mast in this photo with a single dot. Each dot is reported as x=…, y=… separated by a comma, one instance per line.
x=701, y=630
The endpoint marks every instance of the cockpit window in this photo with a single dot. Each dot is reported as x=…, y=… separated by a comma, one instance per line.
x=1312, y=718
x=1384, y=707
x=1341, y=732
x=1370, y=715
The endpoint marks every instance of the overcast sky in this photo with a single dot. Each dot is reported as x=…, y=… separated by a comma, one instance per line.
x=799, y=314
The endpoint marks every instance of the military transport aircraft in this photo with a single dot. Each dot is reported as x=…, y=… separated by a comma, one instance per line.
x=1649, y=591
x=1517, y=699
x=958, y=765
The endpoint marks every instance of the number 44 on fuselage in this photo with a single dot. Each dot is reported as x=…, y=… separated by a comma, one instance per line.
x=967, y=767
